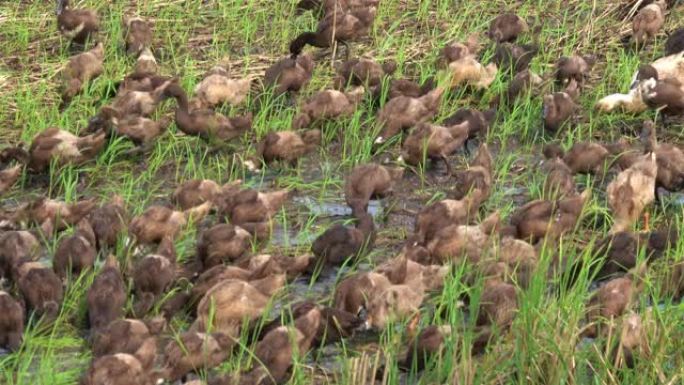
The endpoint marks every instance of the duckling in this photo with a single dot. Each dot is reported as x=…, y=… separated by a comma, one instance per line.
x=455, y=242
x=158, y=222
x=518, y=258
x=514, y=58
x=368, y=181
x=401, y=270
x=106, y=297
x=456, y=50
x=218, y=88
x=227, y=305
x=669, y=157
x=559, y=107
x=363, y=72
x=330, y=6
x=122, y=368
x=667, y=94
x=339, y=242
x=541, y=218
x=139, y=129
x=264, y=265
x=80, y=70
x=471, y=72
x=289, y=74
x=40, y=287
x=11, y=322
x=405, y=112
x=76, y=253
x=573, y=67
x=120, y=336
x=353, y=293
x=193, y=351
x=139, y=95
x=16, y=246
x=53, y=215
x=434, y=142
x=395, y=302
x=675, y=42
x=153, y=275
x=498, y=304
x=76, y=24
x=523, y=82
x=328, y=104
x=9, y=176
x=286, y=146
x=213, y=275
x=445, y=213
x=206, y=123
x=108, y=221
x=649, y=21
x=61, y=146
x=506, y=28
x=479, y=122
x=138, y=34
x=195, y=192
x=587, y=158
x=407, y=88
x=478, y=176
x=611, y=300
x=252, y=210
x=631, y=191
x=559, y=182
x=427, y=344
x=222, y=243
x=633, y=341
x=343, y=27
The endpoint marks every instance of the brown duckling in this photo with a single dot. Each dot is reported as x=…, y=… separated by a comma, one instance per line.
x=455, y=242
x=76, y=24
x=54, y=144
x=213, y=275
x=427, y=344
x=633, y=341
x=77, y=252
x=583, y=157
x=405, y=112
x=343, y=27
x=153, y=275
x=53, y=215
x=559, y=182
x=339, y=242
x=478, y=175
x=122, y=368
x=542, y=218
x=40, y=287
x=193, y=351
x=369, y=181
x=138, y=35
x=80, y=70
x=228, y=304
x=109, y=221
x=11, y=322
x=573, y=67
x=353, y=293
x=648, y=22
x=401, y=270
x=445, y=213
x=514, y=58
x=612, y=299
x=158, y=222
x=218, y=88
x=363, y=72
x=559, y=107
x=523, y=82
x=285, y=146
x=139, y=129
x=204, y=122
x=395, y=302
x=120, y=336
x=289, y=74
x=434, y=142
x=479, y=122
x=675, y=42
x=106, y=297
x=16, y=246
x=518, y=259
x=498, y=304
x=407, y=88
x=252, y=210
x=139, y=98
x=328, y=104
x=222, y=243
x=456, y=50
x=667, y=94
x=506, y=28
x=9, y=176
x=469, y=71
x=195, y=192
x=631, y=191
x=669, y=157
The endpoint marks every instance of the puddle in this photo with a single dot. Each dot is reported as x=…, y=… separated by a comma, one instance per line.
x=336, y=209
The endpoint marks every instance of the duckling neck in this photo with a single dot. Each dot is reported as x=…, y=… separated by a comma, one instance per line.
x=298, y=44
x=365, y=224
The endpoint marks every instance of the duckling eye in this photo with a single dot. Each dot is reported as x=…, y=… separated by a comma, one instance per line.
x=362, y=313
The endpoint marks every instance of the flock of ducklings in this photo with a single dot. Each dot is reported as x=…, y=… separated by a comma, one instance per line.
x=232, y=287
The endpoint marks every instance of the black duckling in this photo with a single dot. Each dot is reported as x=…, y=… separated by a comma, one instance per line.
x=54, y=144
x=445, y=213
x=192, y=351
x=158, y=222
x=559, y=107
x=138, y=35
x=252, y=210
x=284, y=146
x=76, y=24
x=16, y=246
x=80, y=70
x=339, y=242
x=153, y=275
x=218, y=88
x=77, y=252
x=120, y=336
x=222, y=243
x=478, y=175
x=648, y=22
x=675, y=42
x=40, y=287
x=343, y=27
x=53, y=215
x=206, y=123
x=11, y=322
x=368, y=181
x=106, y=299
x=288, y=74
x=434, y=142
x=669, y=157
x=9, y=176
x=506, y=28
x=122, y=368
x=328, y=104
x=404, y=112
x=363, y=72
x=514, y=58
x=573, y=67
x=109, y=221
